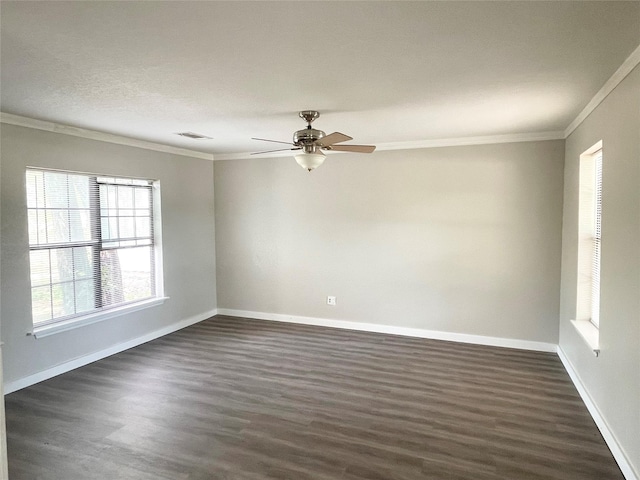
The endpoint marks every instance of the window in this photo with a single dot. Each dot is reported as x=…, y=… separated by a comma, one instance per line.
x=597, y=240
x=589, y=244
x=92, y=246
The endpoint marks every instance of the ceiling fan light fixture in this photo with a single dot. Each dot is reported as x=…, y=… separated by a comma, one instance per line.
x=309, y=161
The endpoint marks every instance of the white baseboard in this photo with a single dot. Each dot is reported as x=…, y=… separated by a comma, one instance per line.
x=617, y=451
x=394, y=330
x=24, y=382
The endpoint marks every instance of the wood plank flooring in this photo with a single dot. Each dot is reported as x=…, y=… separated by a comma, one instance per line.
x=240, y=399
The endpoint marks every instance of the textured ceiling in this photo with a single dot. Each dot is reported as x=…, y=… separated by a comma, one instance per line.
x=382, y=72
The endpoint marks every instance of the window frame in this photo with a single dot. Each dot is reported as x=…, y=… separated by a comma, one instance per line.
x=589, y=246
x=596, y=258
x=102, y=312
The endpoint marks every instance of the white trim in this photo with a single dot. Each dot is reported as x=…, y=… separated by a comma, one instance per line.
x=591, y=150
x=158, y=258
x=467, y=141
x=610, y=439
x=24, y=382
x=589, y=333
x=444, y=142
x=395, y=330
x=94, y=317
x=20, y=121
x=625, y=69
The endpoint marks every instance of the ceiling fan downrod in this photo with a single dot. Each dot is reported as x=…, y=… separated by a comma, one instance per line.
x=309, y=135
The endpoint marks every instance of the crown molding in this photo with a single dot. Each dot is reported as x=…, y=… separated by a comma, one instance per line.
x=625, y=69
x=445, y=142
x=20, y=121
x=466, y=141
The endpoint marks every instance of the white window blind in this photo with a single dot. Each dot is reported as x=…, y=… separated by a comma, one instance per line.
x=91, y=243
x=597, y=240
x=590, y=236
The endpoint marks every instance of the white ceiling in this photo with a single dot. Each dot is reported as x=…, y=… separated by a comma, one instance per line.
x=382, y=72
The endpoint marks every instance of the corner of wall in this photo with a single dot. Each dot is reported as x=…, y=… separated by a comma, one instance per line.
x=612, y=442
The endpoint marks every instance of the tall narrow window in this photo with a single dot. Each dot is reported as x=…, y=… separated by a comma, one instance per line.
x=597, y=240
x=91, y=242
x=590, y=236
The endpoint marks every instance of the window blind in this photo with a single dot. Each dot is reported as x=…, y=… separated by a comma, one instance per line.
x=589, y=236
x=91, y=243
x=597, y=241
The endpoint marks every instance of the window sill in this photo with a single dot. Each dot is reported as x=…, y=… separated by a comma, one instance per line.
x=46, y=330
x=589, y=333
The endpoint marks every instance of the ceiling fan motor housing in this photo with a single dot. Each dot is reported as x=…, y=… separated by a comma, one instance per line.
x=307, y=136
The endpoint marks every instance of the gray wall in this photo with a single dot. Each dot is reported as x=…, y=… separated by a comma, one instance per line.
x=613, y=379
x=460, y=239
x=188, y=252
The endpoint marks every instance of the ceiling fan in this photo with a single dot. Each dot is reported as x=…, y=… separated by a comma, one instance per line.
x=312, y=142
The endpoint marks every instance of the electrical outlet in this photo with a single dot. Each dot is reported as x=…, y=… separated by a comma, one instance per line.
x=331, y=300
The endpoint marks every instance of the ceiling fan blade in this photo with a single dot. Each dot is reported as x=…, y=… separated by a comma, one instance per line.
x=335, y=137
x=274, y=141
x=353, y=148
x=278, y=150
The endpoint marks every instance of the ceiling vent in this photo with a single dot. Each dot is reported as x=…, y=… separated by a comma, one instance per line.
x=195, y=136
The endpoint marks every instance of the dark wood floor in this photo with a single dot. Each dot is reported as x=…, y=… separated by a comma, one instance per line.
x=244, y=399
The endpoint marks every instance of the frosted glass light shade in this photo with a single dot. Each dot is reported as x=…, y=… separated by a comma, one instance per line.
x=310, y=161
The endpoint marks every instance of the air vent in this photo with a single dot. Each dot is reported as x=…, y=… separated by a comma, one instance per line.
x=195, y=136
